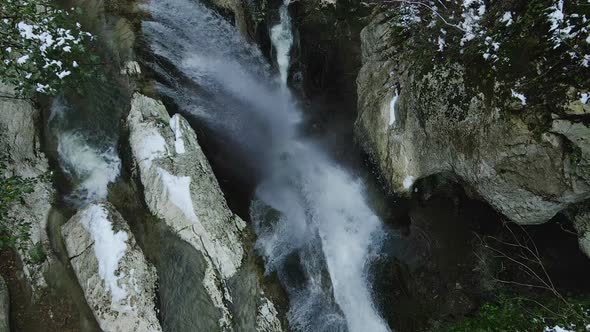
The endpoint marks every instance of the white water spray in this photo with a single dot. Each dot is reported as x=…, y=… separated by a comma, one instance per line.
x=323, y=231
x=90, y=167
x=282, y=40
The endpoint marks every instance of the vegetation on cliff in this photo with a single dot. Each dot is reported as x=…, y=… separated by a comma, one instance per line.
x=43, y=48
x=525, y=52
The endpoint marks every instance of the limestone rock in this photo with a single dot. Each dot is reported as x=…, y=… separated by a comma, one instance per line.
x=181, y=189
x=19, y=138
x=4, y=307
x=118, y=283
x=415, y=124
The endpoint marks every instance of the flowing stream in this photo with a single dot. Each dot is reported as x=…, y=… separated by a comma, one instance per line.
x=315, y=228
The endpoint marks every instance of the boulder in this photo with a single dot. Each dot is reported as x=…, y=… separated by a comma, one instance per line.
x=416, y=123
x=117, y=281
x=20, y=127
x=181, y=189
x=4, y=307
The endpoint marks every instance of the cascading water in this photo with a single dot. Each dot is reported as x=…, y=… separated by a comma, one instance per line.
x=314, y=227
x=91, y=164
x=282, y=40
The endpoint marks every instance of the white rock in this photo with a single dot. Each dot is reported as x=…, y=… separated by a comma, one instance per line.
x=118, y=283
x=131, y=68
x=181, y=189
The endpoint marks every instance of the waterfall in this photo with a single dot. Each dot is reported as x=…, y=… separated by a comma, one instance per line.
x=314, y=226
x=91, y=164
x=282, y=40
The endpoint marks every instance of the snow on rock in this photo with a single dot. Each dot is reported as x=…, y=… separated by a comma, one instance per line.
x=109, y=247
x=175, y=125
x=146, y=140
x=392, y=108
x=473, y=11
x=408, y=182
x=181, y=189
x=519, y=96
x=557, y=328
x=117, y=281
x=178, y=189
x=507, y=19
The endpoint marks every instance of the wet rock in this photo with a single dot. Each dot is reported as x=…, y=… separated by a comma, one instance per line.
x=20, y=124
x=4, y=307
x=581, y=221
x=415, y=124
x=118, y=283
x=181, y=189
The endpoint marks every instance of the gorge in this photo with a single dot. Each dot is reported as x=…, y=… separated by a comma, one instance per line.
x=305, y=166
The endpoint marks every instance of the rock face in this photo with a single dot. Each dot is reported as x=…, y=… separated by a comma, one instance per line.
x=19, y=138
x=4, y=307
x=118, y=283
x=180, y=189
x=581, y=221
x=416, y=123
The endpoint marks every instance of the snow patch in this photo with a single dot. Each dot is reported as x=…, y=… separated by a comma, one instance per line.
x=472, y=14
x=519, y=96
x=556, y=17
x=392, y=108
x=109, y=247
x=22, y=59
x=557, y=328
x=63, y=74
x=152, y=146
x=408, y=182
x=175, y=126
x=178, y=188
x=507, y=18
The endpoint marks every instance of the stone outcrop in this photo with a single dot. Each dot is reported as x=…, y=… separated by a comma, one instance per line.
x=4, y=307
x=20, y=124
x=181, y=190
x=117, y=281
x=241, y=12
x=417, y=122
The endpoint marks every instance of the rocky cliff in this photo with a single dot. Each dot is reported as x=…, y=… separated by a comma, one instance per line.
x=20, y=140
x=435, y=99
x=118, y=283
x=181, y=190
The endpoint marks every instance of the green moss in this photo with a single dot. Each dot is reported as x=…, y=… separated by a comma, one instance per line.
x=37, y=254
x=509, y=313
